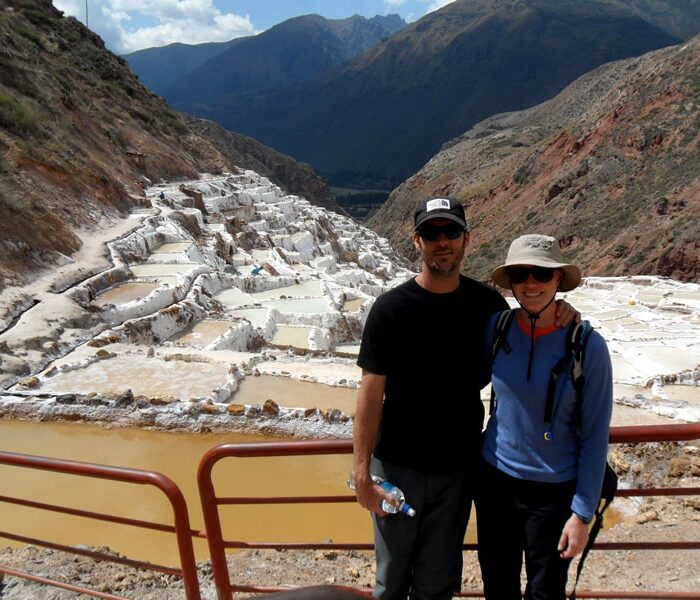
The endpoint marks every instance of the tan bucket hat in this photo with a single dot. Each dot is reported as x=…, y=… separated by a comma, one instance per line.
x=538, y=251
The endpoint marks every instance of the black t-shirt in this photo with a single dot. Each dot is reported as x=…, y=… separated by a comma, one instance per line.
x=430, y=347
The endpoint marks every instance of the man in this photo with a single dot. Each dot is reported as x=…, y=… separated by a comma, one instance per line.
x=419, y=415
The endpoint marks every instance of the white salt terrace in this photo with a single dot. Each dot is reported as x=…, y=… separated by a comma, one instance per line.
x=221, y=335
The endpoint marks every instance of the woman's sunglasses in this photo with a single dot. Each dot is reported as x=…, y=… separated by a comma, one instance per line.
x=452, y=231
x=520, y=274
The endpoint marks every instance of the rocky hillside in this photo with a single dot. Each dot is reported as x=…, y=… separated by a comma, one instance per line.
x=80, y=136
x=610, y=166
x=295, y=177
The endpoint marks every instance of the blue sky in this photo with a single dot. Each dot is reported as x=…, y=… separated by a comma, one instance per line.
x=129, y=25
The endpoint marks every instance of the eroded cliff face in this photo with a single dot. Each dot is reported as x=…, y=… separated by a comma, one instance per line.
x=610, y=166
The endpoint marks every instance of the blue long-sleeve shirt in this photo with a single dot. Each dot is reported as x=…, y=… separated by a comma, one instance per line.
x=514, y=441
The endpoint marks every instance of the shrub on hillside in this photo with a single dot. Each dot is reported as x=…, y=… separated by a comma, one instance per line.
x=17, y=118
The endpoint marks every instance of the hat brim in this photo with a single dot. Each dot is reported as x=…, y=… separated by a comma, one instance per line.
x=572, y=274
x=439, y=215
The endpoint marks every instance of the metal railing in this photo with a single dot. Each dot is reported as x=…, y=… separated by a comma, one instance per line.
x=181, y=527
x=211, y=504
x=218, y=545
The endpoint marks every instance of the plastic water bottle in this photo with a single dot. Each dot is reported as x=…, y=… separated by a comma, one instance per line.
x=386, y=506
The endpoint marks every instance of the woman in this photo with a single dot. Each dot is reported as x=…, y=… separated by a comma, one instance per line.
x=543, y=462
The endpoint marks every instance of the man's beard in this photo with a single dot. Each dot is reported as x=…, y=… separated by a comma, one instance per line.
x=444, y=270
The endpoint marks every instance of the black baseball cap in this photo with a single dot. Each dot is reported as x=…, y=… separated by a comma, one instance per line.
x=444, y=208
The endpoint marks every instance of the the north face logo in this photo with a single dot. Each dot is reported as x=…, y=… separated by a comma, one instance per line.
x=437, y=204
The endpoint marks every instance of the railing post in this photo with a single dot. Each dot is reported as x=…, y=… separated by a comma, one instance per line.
x=185, y=547
x=212, y=524
x=183, y=533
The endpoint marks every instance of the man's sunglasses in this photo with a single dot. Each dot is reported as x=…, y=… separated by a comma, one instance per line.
x=520, y=274
x=452, y=231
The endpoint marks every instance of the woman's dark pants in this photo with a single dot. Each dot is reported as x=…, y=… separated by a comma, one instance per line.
x=516, y=517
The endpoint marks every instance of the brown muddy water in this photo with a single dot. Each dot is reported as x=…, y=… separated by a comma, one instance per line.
x=177, y=456
x=291, y=393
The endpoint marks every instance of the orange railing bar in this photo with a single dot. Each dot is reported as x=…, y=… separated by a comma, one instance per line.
x=655, y=433
x=210, y=502
x=218, y=545
x=182, y=530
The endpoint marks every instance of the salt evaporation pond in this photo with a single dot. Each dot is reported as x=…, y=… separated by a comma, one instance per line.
x=301, y=268
x=256, y=316
x=308, y=288
x=296, y=379
x=161, y=269
x=288, y=335
x=234, y=298
x=173, y=248
x=291, y=393
x=353, y=304
x=204, y=332
x=623, y=370
x=260, y=255
x=669, y=359
x=144, y=376
x=351, y=349
x=126, y=292
x=300, y=305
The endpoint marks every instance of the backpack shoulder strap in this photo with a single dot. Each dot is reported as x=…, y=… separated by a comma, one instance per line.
x=572, y=360
x=500, y=331
x=575, y=346
x=498, y=341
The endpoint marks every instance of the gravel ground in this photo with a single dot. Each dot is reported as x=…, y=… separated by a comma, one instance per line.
x=646, y=519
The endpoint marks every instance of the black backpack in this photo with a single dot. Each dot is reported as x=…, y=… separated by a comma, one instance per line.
x=571, y=362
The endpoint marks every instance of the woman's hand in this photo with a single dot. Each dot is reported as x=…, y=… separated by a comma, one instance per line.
x=573, y=537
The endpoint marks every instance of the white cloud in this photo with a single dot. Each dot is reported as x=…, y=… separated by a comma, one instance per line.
x=130, y=25
x=436, y=4
x=393, y=4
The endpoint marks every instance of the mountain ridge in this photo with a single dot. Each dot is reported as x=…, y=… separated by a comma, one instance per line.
x=376, y=119
x=609, y=166
x=289, y=52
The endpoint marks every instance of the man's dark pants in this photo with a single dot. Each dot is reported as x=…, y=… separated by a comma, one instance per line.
x=421, y=555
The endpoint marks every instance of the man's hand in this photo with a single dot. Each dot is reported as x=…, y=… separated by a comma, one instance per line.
x=573, y=537
x=370, y=495
x=566, y=314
